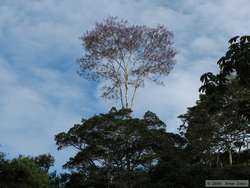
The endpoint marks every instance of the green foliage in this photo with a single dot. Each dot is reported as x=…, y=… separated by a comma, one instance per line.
x=237, y=60
x=220, y=120
x=44, y=161
x=213, y=142
x=55, y=180
x=22, y=172
x=115, y=148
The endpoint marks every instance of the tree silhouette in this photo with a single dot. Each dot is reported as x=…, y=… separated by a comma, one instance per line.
x=115, y=148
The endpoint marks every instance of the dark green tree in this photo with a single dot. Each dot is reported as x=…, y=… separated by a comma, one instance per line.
x=115, y=149
x=22, y=172
x=219, y=122
x=44, y=161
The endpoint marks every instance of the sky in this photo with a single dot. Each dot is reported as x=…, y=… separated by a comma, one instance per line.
x=40, y=91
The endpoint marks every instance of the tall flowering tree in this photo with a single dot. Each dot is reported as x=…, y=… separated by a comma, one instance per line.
x=124, y=56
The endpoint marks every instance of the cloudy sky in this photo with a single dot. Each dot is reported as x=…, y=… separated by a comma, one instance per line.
x=40, y=92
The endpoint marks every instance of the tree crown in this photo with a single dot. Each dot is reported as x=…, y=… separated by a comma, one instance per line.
x=124, y=55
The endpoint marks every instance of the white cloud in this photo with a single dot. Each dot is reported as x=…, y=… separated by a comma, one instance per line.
x=32, y=113
x=204, y=46
x=25, y=110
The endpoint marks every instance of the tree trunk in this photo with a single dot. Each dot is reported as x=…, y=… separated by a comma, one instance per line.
x=230, y=157
x=121, y=96
x=247, y=152
x=133, y=96
x=126, y=88
x=218, y=160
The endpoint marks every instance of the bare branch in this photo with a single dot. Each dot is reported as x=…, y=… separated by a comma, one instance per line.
x=126, y=55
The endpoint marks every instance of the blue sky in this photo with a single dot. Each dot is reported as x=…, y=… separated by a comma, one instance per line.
x=40, y=92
